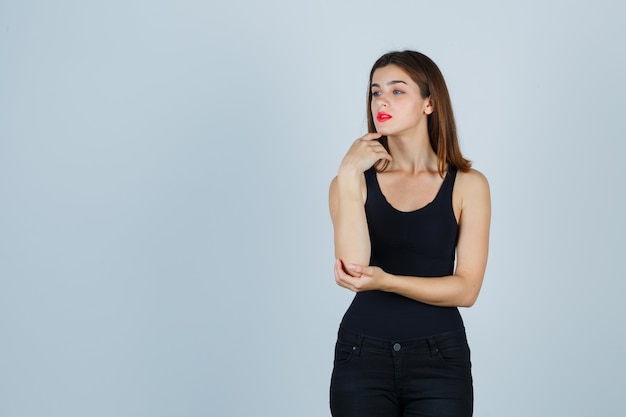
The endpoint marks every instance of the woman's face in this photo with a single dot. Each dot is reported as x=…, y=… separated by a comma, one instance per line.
x=397, y=105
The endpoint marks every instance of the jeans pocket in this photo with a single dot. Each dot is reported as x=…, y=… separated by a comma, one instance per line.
x=455, y=356
x=343, y=352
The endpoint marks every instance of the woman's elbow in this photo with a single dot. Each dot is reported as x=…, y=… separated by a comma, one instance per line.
x=353, y=257
x=468, y=302
x=470, y=295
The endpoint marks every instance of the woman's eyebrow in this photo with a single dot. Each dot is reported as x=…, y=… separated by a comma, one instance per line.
x=391, y=83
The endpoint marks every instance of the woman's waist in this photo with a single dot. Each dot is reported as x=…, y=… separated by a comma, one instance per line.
x=392, y=316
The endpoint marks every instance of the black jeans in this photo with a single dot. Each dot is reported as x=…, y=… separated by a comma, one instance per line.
x=429, y=376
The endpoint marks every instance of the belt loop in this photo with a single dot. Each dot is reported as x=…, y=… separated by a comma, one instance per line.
x=432, y=344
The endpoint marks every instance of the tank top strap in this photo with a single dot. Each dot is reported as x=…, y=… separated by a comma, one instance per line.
x=448, y=182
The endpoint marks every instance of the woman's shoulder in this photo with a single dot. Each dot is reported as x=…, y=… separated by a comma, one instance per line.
x=334, y=188
x=472, y=177
x=471, y=182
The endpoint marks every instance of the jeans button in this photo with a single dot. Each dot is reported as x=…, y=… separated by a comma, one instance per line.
x=397, y=347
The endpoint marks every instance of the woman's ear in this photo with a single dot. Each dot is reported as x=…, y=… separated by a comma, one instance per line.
x=429, y=105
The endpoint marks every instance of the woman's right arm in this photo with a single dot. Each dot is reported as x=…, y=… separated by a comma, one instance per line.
x=347, y=200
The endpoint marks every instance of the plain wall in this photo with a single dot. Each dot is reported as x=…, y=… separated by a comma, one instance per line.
x=165, y=244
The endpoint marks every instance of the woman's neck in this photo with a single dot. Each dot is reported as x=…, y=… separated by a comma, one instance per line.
x=411, y=154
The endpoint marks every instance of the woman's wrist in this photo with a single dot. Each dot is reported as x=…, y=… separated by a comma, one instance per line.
x=386, y=284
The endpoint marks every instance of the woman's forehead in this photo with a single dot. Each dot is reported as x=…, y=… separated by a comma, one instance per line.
x=391, y=74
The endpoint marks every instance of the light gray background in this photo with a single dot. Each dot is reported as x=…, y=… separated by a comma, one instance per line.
x=165, y=245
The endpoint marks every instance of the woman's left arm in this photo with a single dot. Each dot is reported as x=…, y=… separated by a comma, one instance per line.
x=458, y=290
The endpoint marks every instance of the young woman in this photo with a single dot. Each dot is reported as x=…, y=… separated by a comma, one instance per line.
x=404, y=203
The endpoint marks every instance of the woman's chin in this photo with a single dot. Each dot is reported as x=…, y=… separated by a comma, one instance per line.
x=383, y=130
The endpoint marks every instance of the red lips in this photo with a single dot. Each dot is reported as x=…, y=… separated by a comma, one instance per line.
x=383, y=117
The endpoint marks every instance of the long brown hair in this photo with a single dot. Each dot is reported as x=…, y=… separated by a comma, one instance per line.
x=441, y=125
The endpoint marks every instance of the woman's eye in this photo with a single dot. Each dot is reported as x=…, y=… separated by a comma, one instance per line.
x=397, y=91
x=375, y=93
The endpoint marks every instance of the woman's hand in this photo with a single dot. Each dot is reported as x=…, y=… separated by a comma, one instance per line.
x=359, y=278
x=363, y=154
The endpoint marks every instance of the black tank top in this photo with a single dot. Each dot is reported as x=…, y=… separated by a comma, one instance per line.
x=419, y=243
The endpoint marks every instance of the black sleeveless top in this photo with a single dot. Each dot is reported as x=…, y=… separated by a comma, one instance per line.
x=419, y=243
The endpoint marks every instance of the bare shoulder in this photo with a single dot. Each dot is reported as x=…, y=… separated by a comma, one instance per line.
x=472, y=182
x=471, y=194
x=335, y=192
x=333, y=186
